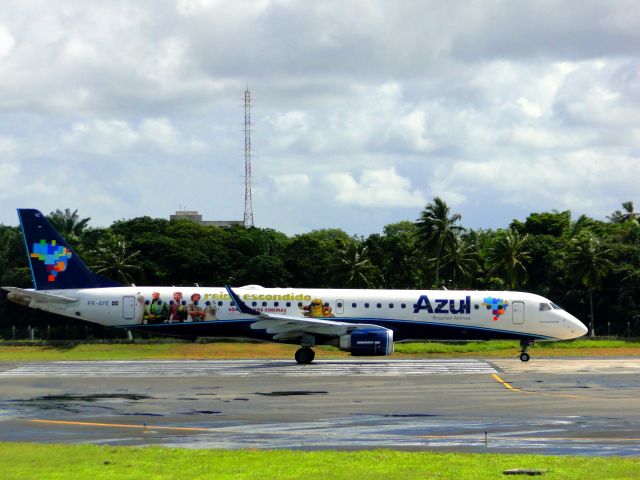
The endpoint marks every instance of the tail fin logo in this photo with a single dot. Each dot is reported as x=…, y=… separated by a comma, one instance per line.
x=55, y=257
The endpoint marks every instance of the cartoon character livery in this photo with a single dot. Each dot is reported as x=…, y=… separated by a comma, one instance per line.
x=364, y=322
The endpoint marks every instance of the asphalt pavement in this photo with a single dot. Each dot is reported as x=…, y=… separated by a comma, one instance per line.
x=587, y=406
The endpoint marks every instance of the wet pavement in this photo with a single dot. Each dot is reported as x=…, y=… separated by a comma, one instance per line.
x=552, y=406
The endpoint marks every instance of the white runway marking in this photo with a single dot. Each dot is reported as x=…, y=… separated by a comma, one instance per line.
x=246, y=368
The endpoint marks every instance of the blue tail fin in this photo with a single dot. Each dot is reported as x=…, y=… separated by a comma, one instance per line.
x=54, y=265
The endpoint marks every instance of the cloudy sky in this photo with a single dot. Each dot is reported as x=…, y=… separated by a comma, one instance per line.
x=362, y=111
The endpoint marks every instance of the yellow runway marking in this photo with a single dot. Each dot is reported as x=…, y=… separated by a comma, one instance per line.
x=504, y=384
x=120, y=425
x=508, y=386
x=435, y=437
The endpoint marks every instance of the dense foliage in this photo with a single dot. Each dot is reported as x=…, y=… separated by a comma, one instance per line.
x=590, y=267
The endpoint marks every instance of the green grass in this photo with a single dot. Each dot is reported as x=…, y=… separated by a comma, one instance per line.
x=507, y=345
x=26, y=461
x=225, y=350
x=587, y=343
x=444, y=347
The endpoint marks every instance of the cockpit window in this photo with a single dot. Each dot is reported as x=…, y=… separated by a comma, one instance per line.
x=555, y=307
x=545, y=306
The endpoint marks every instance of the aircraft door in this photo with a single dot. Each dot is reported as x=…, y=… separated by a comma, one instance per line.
x=129, y=307
x=339, y=306
x=517, y=312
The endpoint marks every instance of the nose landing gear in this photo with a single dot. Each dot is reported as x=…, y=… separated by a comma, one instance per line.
x=524, y=345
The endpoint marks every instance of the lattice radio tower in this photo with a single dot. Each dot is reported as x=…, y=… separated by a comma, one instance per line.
x=248, y=204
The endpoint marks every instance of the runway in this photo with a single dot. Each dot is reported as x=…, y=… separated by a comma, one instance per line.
x=564, y=406
x=246, y=368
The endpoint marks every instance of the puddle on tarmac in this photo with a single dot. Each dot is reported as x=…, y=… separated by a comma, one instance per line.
x=291, y=393
x=88, y=398
x=409, y=415
x=201, y=412
x=143, y=414
x=74, y=403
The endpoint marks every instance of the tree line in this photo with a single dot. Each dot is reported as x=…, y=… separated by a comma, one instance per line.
x=589, y=267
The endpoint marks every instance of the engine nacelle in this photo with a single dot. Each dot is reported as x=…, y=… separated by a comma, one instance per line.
x=368, y=342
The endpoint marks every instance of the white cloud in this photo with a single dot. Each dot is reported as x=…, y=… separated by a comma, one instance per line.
x=9, y=175
x=294, y=183
x=104, y=137
x=582, y=181
x=367, y=105
x=7, y=42
x=375, y=188
x=8, y=147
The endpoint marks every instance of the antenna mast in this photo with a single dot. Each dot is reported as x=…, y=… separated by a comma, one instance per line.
x=248, y=204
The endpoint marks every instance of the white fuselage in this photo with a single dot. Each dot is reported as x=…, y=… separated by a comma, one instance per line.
x=410, y=313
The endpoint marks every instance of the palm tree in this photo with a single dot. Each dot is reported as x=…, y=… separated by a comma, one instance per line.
x=69, y=224
x=437, y=232
x=588, y=264
x=351, y=267
x=505, y=257
x=627, y=215
x=461, y=262
x=114, y=260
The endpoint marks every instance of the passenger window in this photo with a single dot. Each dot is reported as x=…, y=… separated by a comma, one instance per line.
x=366, y=305
x=288, y=304
x=264, y=304
x=403, y=305
x=275, y=304
x=379, y=305
x=544, y=306
x=339, y=304
x=354, y=305
x=254, y=304
x=391, y=305
x=219, y=304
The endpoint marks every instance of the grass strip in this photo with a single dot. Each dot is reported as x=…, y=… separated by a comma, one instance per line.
x=236, y=350
x=26, y=461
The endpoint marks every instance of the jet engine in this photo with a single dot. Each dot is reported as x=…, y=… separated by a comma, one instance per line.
x=368, y=342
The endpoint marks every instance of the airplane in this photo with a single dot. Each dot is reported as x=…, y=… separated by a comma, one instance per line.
x=363, y=322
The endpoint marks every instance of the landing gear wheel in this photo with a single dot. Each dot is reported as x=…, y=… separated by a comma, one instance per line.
x=524, y=345
x=305, y=355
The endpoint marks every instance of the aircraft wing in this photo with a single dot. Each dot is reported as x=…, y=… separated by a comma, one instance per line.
x=24, y=296
x=292, y=326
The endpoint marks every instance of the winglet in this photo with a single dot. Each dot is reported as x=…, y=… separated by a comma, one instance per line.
x=239, y=303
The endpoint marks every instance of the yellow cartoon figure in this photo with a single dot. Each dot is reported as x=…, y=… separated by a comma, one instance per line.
x=314, y=309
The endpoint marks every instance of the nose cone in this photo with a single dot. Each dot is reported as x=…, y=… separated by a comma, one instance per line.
x=581, y=327
x=576, y=327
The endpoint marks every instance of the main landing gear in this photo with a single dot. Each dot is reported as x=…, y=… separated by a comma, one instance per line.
x=524, y=344
x=305, y=354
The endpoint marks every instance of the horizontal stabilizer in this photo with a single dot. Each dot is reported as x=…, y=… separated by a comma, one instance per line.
x=24, y=296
